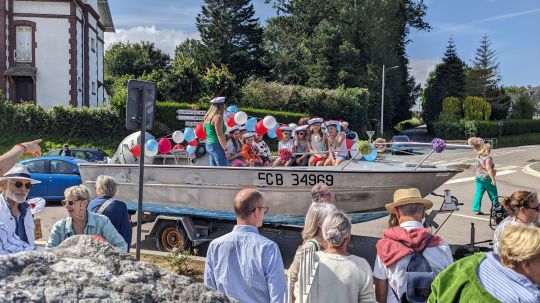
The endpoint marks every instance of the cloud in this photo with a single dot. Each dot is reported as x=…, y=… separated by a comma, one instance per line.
x=164, y=39
x=506, y=16
x=420, y=68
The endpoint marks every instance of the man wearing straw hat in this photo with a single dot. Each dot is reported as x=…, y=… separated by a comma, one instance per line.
x=395, y=249
x=15, y=215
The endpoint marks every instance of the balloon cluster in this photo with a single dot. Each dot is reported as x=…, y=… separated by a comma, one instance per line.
x=268, y=125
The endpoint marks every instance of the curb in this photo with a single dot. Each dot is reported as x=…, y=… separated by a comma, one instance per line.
x=530, y=171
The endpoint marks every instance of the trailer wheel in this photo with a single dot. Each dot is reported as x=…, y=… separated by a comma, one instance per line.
x=170, y=236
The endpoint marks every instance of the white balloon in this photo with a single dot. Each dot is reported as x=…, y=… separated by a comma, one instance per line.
x=240, y=118
x=269, y=122
x=292, y=125
x=178, y=136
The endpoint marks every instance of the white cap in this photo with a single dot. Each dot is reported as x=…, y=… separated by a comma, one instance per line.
x=315, y=120
x=249, y=135
x=332, y=123
x=287, y=128
x=232, y=129
x=19, y=171
x=343, y=123
x=217, y=100
x=301, y=128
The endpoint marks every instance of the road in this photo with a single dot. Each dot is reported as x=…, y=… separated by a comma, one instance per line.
x=511, y=176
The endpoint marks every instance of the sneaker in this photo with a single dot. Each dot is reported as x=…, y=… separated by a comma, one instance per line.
x=479, y=213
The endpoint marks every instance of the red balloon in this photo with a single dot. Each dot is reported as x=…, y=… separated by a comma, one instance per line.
x=136, y=150
x=164, y=146
x=179, y=147
x=230, y=121
x=199, y=131
x=193, y=143
x=260, y=129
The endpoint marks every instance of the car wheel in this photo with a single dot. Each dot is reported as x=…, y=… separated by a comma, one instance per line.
x=171, y=236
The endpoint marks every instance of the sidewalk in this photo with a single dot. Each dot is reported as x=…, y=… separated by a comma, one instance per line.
x=536, y=167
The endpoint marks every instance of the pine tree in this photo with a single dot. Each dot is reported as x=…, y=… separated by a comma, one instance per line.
x=448, y=80
x=228, y=28
x=484, y=76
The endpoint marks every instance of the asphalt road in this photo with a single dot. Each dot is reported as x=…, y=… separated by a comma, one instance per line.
x=512, y=175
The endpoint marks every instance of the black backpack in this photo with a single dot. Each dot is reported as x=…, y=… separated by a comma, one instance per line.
x=418, y=277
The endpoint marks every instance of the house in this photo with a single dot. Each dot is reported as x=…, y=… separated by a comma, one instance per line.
x=51, y=51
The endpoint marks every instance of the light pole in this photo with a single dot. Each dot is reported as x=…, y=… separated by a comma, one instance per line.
x=382, y=97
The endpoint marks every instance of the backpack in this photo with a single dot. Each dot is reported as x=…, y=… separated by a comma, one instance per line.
x=418, y=276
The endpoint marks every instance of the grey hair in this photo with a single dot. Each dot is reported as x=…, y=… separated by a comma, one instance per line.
x=411, y=209
x=106, y=185
x=316, y=214
x=318, y=192
x=336, y=229
x=80, y=191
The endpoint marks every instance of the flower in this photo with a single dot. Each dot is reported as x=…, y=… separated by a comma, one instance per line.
x=285, y=154
x=364, y=148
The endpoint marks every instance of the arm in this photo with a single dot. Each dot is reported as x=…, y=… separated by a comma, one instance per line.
x=381, y=289
x=366, y=293
x=209, y=269
x=112, y=236
x=491, y=173
x=10, y=158
x=218, y=125
x=275, y=274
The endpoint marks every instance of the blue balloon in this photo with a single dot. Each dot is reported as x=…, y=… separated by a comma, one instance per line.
x=232, y=109
x=250, y=124
x=339, y=127
x=152, y=145
x=371, y=156
x=189, y=134
x=271, y=133
x=191, y=150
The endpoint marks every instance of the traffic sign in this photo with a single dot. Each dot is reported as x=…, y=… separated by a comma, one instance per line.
x=189, y=118
x=191, y=112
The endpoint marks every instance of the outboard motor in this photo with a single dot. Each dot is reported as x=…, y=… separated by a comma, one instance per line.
x=123, y=155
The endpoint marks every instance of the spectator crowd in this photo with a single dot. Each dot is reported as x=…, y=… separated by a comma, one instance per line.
x=412, y=264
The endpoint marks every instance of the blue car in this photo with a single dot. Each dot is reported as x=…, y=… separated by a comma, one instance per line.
x=92, y=155
x=401, y=147
x=55, y=173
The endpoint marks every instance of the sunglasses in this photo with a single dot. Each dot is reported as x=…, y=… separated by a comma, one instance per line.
x=20, y=184
x=266, y=209
x=300, y=133
x=537, y=208
x=69, y=202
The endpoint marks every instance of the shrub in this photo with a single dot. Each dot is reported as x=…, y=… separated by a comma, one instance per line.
x=476, y=108
x=180, y=261
x=486, y=129
x=452, y=109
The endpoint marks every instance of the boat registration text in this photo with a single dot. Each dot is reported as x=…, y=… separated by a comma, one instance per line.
x=295, y=180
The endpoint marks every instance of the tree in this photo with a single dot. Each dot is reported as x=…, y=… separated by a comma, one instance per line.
x=476, y=108
x=200, y=53
x=484, y=75
x=448, y=80
x=452, y=109
x=183, y=81
x=523, y=108
x=134, y=59
x=232, y=34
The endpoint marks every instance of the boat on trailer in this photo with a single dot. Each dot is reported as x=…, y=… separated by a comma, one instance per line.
x=359, y=188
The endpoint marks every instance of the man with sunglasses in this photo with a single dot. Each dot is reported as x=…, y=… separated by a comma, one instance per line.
x=243, y=264
x=15, y=215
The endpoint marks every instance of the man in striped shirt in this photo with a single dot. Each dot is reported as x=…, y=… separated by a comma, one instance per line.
x=243, y=264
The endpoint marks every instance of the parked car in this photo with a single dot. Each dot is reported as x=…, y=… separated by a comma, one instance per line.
x=401, y=147
x=55, y=173
x=91, y=155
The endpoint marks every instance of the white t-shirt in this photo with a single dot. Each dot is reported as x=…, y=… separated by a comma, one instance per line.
x=439, y=258
x=262, y=148
x=342, y=279
x=288, y=145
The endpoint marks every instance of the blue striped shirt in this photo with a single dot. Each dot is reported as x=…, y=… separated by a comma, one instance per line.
x=505, y=284
x=246, y=266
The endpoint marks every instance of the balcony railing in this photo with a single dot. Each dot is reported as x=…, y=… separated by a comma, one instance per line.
x=22, y=55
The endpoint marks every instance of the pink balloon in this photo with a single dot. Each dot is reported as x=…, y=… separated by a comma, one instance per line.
x=164, y=145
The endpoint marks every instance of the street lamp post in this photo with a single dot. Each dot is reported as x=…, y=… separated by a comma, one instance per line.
x=382, y=97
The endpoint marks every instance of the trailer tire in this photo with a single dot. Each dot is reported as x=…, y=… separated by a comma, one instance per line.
x=170, y=235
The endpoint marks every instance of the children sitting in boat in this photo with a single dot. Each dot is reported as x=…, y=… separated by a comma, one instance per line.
x=234, y=145
x=262, y=149
x=300, y=147
x=249, y=154
x=316, y=143
x=336, y=143
x=285, y=147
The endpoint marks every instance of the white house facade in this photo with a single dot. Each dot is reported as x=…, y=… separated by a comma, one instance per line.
x=51, y=51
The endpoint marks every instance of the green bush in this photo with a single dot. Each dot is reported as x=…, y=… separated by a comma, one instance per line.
x=486, y=129
x=452, y=109
x=476, y=108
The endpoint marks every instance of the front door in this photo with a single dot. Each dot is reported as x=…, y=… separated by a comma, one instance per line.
x=24, y=89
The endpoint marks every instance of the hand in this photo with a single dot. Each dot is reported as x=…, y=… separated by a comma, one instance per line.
x=98, y=237
x=493, y=183
x=33, y=148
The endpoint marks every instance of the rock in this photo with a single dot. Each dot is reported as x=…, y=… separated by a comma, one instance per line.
x=88, y=270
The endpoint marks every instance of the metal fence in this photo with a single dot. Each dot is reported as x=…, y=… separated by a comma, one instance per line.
x=307, y=278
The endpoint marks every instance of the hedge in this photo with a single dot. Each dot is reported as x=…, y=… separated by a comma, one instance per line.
x=486, y=129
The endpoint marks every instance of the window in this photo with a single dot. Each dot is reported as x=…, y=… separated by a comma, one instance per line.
x=93, y=44
x=36, y=166
x=23, y=45
x=62, y=167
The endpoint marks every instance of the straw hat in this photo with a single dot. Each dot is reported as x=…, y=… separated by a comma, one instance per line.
x=19, y=172
x=406, y=196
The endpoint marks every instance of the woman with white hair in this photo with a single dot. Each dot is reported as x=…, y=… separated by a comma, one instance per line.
x=82, y=222
x=311, y=234
x=342, y=277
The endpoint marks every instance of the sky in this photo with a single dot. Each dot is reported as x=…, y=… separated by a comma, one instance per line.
x=513, y=28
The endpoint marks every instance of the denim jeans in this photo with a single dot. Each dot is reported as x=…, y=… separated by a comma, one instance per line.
x=216, y=154
x=483, y=185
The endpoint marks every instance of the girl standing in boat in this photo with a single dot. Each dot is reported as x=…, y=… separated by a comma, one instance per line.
x=316, y=142
x=336, y=144
x=215, y=132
